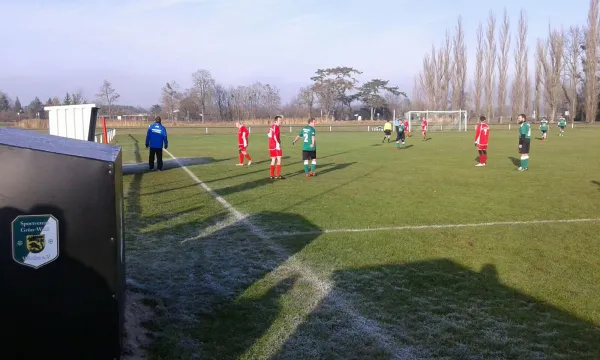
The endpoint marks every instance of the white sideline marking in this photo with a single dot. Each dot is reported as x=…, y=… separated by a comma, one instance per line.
x=428, y=227
x=325, y=288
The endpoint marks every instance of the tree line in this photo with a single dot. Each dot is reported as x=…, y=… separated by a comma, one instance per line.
x=334, y=93
x=563, y=80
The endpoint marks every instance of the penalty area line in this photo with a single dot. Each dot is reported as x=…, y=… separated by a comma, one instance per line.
x=439, y=226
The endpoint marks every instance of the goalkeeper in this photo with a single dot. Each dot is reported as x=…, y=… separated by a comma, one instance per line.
x=387, y=131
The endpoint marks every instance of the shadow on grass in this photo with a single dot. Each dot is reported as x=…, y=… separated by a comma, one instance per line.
x=129, y=169
x=515, y=161
x=437, y=309
x=596, y=183
x=133, y=207
x=220, y=282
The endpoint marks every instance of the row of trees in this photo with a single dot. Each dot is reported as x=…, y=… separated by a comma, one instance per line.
x=562, y=78
x=208, y=100
x=12, y=110
x=334, y=93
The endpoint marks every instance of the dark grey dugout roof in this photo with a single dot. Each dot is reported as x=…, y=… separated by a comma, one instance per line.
x=58, y=145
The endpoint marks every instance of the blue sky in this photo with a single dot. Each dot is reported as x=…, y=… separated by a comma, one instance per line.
x=54, y=46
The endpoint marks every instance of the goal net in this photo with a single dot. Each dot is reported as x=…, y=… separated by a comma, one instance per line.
x=450, y=120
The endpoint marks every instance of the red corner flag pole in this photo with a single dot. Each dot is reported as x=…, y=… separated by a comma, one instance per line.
x=104, y=135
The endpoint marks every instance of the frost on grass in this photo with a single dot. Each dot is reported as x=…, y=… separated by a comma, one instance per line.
x=197, y=269
x=448, y=311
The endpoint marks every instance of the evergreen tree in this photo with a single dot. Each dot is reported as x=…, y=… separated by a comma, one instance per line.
x=67, y=100
x=4, y=102
x=18, y=108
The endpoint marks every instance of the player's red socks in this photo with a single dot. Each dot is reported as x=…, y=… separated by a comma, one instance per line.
x=278, y=170
x=482, y=158
x=241, y=158
x=272, y=170
x=248, y=157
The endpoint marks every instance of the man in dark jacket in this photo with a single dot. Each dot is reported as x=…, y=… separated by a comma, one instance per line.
x=155, y=138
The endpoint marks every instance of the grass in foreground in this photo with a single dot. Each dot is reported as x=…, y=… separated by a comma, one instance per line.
x=225, y=288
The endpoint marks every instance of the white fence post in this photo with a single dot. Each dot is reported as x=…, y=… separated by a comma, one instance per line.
x=206, y=131
x=508, y=126
x=330, y=128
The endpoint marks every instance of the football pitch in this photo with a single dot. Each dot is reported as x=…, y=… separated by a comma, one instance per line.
x=385, y=254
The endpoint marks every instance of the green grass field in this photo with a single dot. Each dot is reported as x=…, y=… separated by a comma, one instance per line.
x=385, y=254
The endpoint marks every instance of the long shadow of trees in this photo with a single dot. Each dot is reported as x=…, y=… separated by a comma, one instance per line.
x=440, y=309
x=198, y=271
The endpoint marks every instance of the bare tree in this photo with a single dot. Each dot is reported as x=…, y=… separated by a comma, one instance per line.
x=306, y=98
x=108, y=96
x=527, y=104
x=77, y=97
x=443, y=74
x=571, y=75
x=459, y=72
x=503, y=64
x=591, y=63
x=203, y=90
x=490, y=65
x=540, y=54
x=478, y=85
x=418, y=95
x=517, y=94
x=170, y=98
x=428, y=79
x=552, y=65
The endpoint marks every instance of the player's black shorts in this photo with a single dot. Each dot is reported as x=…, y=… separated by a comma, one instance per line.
x=387, y=132
x=544, y=131
x=562, y=127
x=400, y=136
x=524, y=149
x=309, y=155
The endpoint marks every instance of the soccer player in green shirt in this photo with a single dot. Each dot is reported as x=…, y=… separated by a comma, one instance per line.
x=400, y=135
x=524, y=142
x=387, y=131
x=309, y=147
x=544, y=128
x=562, y=123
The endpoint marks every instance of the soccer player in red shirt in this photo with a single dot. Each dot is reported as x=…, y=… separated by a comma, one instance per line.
x=406, y=128
x=243, y=143
x=275, y=151
x=424, y=128
x=482, y=134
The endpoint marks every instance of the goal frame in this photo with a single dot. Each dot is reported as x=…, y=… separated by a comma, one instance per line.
x=462, y=123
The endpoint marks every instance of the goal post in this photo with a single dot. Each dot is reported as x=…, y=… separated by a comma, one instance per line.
x=438, y=120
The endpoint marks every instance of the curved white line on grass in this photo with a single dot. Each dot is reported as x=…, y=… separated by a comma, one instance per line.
x=324, y=288
x=430, y=227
